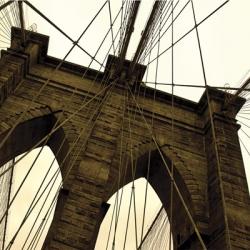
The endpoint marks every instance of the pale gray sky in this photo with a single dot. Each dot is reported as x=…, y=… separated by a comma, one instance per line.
x=225, y=40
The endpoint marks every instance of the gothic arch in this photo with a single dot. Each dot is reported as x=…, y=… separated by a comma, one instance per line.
x=160, y=181
x=29, y=132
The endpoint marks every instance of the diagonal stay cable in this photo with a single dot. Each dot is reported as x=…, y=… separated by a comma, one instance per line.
x=123, y=26
x=5, y=19
x=118, y=201
x=16, y=12
x=42, y=183
x=147, y=137
x=169, y=173
x=245, y=111
x=164, y=23
x=4, y=33
x=5, y=10
x=59, y=126
x=44, y=223
x=172, y=131
x=150, y=227
x=29, y=211
x=246, y=134
x=132, y=154
x=170, y=14
x=133, y=171
x=158, y=32
x=49, y=167
x=62, y=32
x=147, y=32
x=67, y=153
x=4, y=27
x=8, y=201
x=190, y=85
x=49, y=211
x=57, y=172
x=32, y=165
x=105, y=36
x=111, y=224
x=83, y=105
x=4, y=42
x=241, y=122
x=81, y=146
x=213, y=134
x=245, y=147
x=121, y=22
x=127, y=223
x=40, y=210
x=43, y=86
x=81, y=133
x=152, y=122
x=111, y=26
x=130, y=199
x=62, y=142
x=4, y=36
x=155, y=31
x=3, y=7
x=13, y=13
x=21, y=184
x=188, y=32
x=31, y=207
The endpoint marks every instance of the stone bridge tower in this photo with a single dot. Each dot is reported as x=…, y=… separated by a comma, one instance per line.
x=85, y=136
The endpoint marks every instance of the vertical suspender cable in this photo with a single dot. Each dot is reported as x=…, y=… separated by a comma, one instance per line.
x=172, y=129
x=213, y=131
x=8, y=201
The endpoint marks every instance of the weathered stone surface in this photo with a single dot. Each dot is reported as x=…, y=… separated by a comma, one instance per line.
x=89, y=146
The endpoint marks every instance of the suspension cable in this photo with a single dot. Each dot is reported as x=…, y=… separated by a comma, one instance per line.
x=172, y=130
x=47, y=81
x=66, y=157
x=8, y=202
x=149, y=163
x=213, y=132
x=111, y=25
x=169, y=172
x=75, y=43
x=55, y=128
x=188, y=32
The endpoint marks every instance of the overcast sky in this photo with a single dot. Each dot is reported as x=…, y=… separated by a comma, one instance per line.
x=225, y=40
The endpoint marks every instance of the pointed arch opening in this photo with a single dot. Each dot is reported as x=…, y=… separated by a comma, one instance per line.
x=35, y=182
x=119, y=227
x=34, y=168
x=159, y=192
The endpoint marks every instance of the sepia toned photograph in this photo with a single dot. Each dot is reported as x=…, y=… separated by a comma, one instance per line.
x=124, y=125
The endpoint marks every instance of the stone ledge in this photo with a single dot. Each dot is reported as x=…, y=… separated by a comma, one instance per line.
x=200, y=107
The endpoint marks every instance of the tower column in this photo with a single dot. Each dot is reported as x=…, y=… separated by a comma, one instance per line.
x=228, y=195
